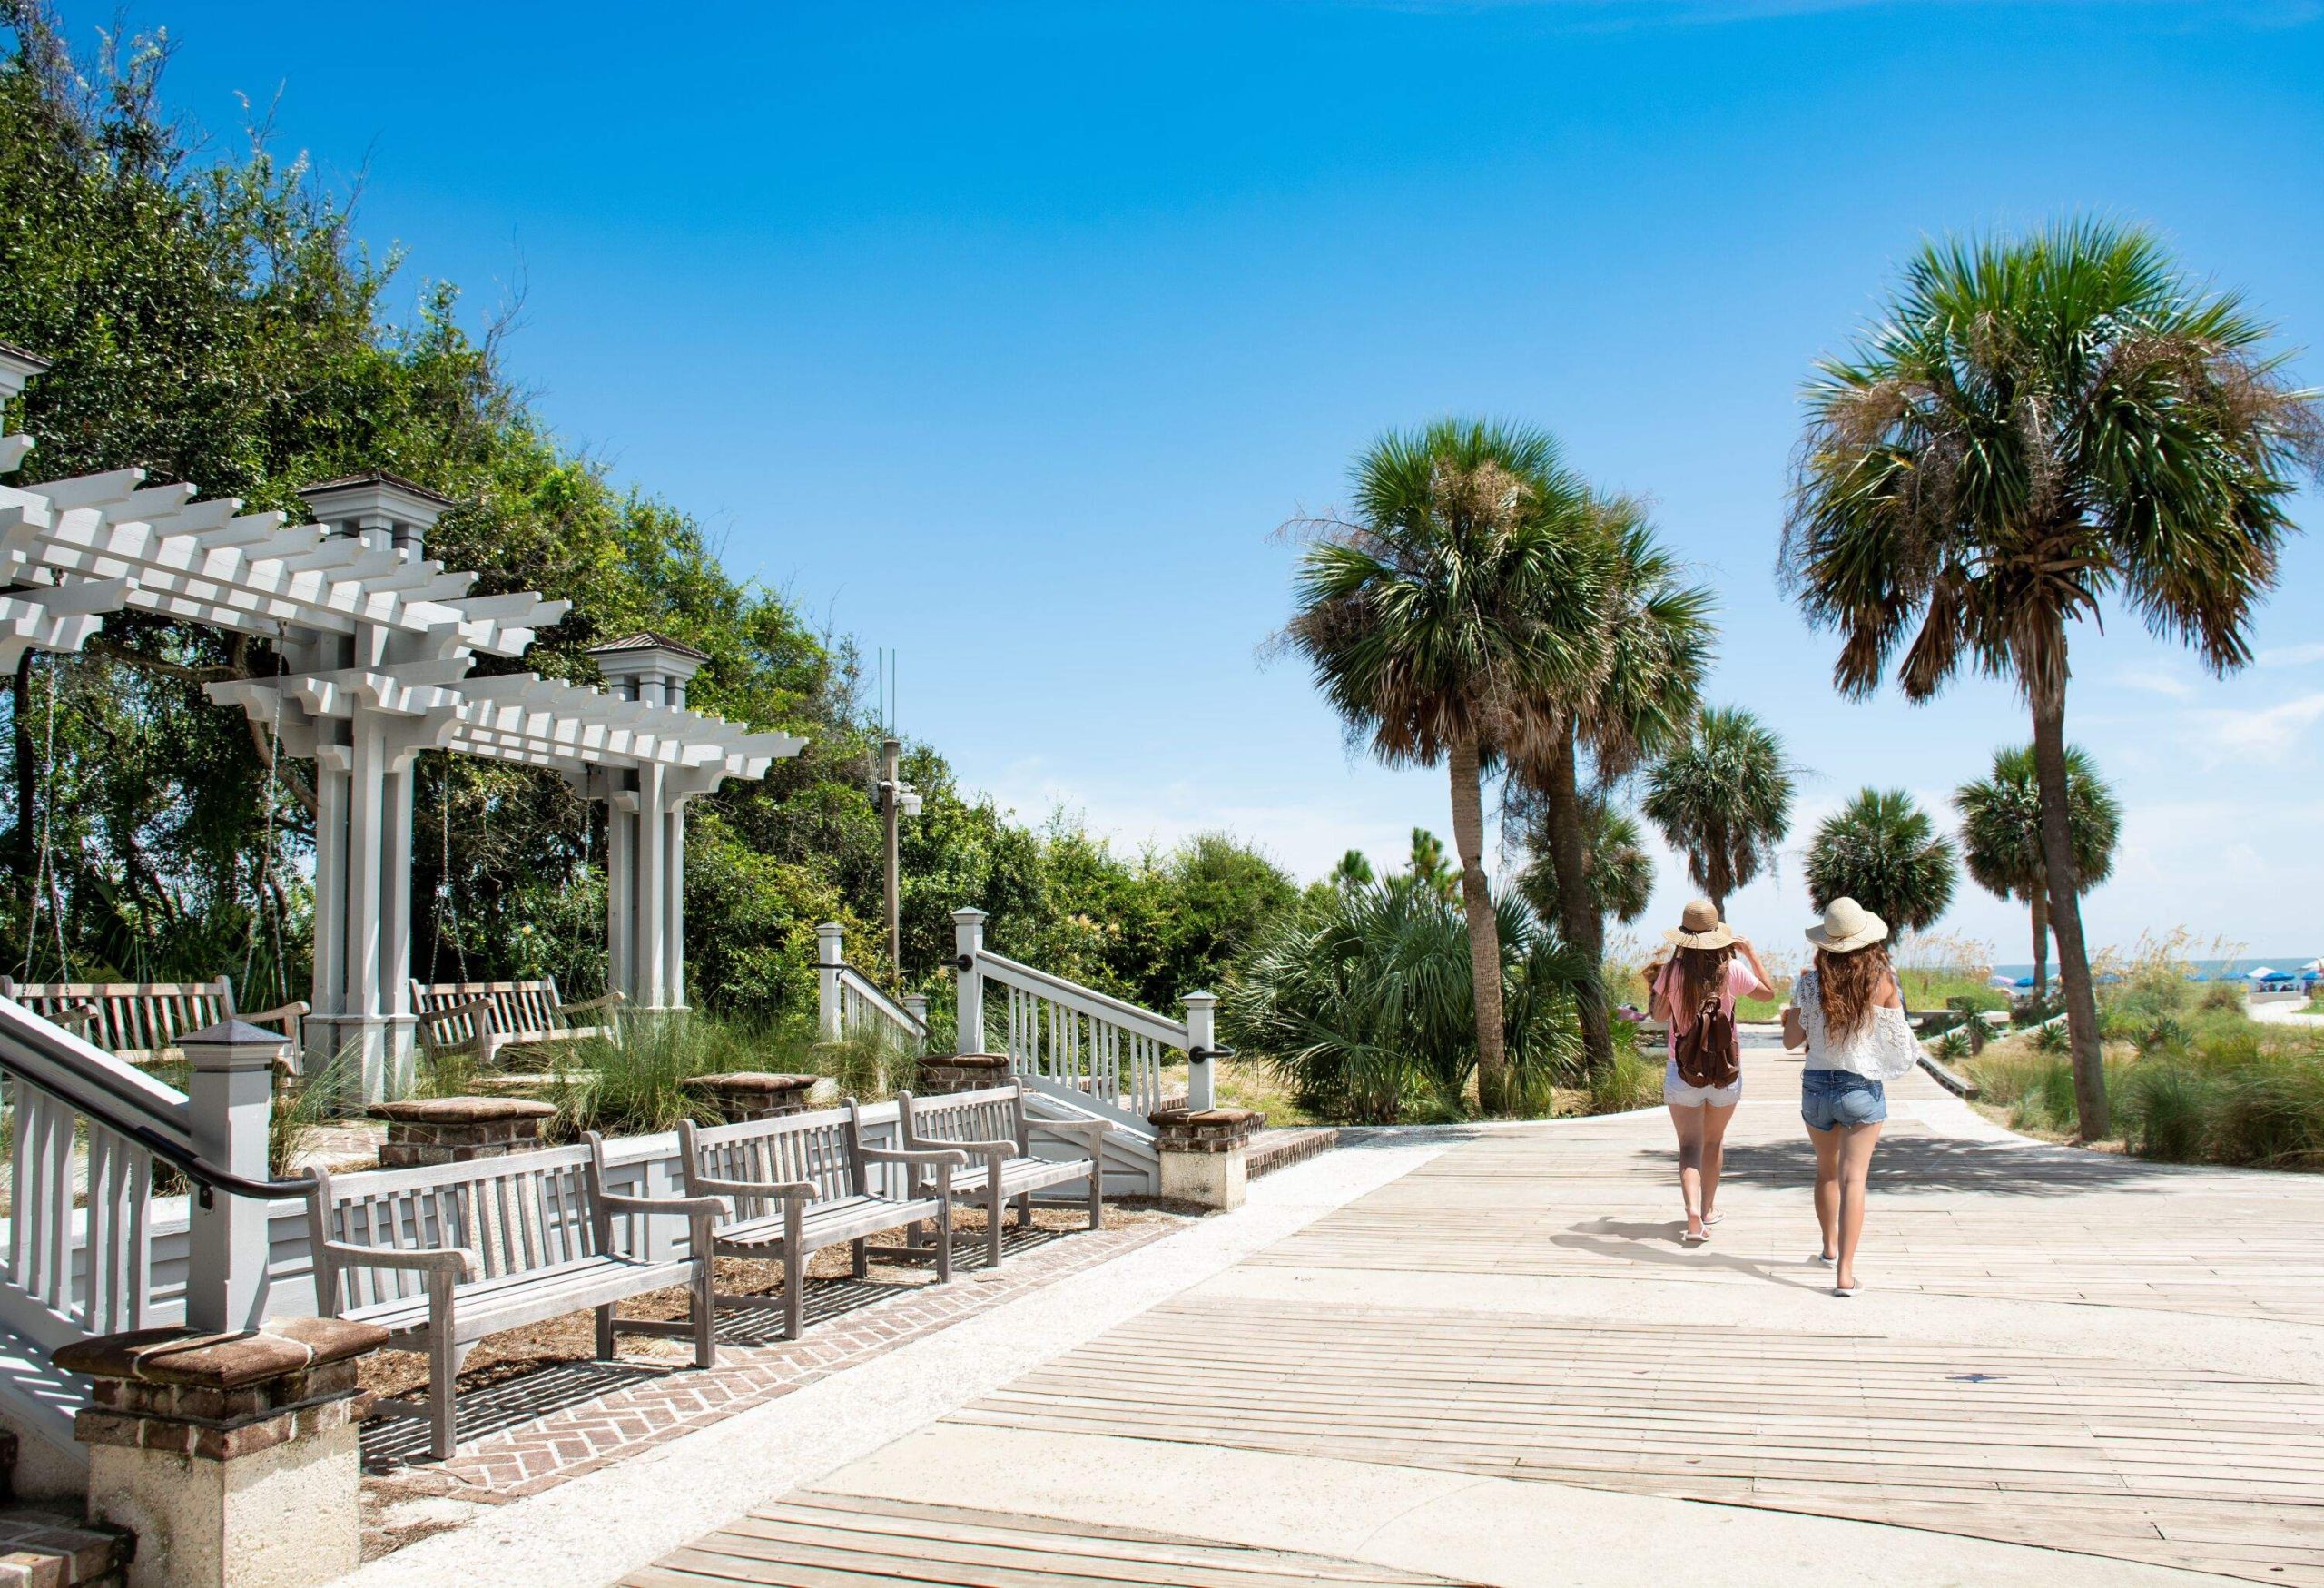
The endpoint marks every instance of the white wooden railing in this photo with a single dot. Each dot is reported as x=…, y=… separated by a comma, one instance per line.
x=852, y=1005
x=1094, y=1050
x=79, y=1244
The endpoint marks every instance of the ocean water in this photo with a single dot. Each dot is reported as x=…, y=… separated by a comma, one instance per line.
x=2214, y=969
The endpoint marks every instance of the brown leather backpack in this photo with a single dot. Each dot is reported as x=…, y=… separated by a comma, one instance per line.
x=1708, y=1052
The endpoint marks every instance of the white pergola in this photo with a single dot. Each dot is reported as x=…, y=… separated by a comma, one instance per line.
x=380, y=644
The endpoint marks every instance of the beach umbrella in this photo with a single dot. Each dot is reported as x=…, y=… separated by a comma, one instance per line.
x=2260, y=973
x=2004, y=982
x=2314, y=968
x=2023, y=981
x=2197, y=976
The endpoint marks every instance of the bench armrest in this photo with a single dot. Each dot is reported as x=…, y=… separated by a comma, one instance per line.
x=795, y=1190
x=470, y=1007
x=973, y=1148
x=610, y=1001
x=687, y=1206
x=80, y=1014
x=1092, y=1131
x=928, y=1155
x=457, y=1260
x=298, y=1010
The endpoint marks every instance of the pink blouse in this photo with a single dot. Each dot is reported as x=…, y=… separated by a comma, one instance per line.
x=1671, y=987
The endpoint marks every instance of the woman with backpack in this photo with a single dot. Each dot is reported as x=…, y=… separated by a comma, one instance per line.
x=1710, y=970
x=1848, y=1012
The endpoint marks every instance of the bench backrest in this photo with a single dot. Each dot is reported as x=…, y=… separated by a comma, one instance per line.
x=818, y=1148
x=140, y=1021
x=519, y=1011
x=527, y=1210
x=996, y=1113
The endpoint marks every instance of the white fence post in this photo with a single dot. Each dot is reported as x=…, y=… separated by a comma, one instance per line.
x=968, y=940
x=1202, y=1008
x=229, y=1093
x=829, y=957
x=916, y=1005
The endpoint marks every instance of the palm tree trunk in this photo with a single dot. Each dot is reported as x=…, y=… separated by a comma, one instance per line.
x=2065, y=911
x=2041, y=942
x=1485, y=932
x=1579, y=921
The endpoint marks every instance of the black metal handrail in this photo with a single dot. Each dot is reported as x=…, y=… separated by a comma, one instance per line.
x=208, y=1177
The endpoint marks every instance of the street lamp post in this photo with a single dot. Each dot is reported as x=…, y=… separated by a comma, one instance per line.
x=897, y=799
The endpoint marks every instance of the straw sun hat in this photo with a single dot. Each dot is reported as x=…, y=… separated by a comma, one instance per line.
x=1847, y=926
x=1699, y=927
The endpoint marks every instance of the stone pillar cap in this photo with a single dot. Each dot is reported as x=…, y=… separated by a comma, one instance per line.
x=1203, y=1116
x=234, y=1034
x=752, y=1080
x=463, y=1110
x=229, y=1361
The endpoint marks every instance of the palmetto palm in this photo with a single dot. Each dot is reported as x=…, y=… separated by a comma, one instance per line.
x=1653, y=636
x=1723, y=799
x=2035, y=427
x=1883, y=851
x=1618, y=874
x=2001, y=835
x=1436, y=614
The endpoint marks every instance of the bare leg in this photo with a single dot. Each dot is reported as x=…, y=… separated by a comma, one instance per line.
x=1688, y=1123
x=1716, y=1121
x=1856, y=1143
x=1827, y=1188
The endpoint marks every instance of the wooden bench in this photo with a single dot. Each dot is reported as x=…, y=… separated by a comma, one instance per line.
x=443, y=1255
x=484, y=1017
x=140, y=1022
x=990, y=1127
x=801, y=1182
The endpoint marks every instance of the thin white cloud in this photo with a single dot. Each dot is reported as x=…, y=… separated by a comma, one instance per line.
x=2268, y=733
x=2291, y=656
x=2156, y=680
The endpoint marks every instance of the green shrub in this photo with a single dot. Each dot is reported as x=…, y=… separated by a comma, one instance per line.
x=1632, y=1082
x=1953, y=1045
x=2223, y=996
x=2055, y=1038
x=2163, y=1109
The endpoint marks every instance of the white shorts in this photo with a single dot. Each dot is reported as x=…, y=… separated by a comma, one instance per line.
x=1679, y=1094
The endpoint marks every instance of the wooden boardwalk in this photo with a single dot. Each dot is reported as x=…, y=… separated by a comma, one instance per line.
x=2114, y=1361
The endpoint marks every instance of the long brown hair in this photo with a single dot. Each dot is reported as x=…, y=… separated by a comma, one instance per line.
x=1701, y=974
x=1849, y=985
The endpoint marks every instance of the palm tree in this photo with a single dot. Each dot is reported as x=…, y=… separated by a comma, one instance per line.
x=2037, y=425
x=1432, y=616
x=2001, y=836
x=1618, y=874
x=1883, y=851
x=1652, y=637
x=1723, y=799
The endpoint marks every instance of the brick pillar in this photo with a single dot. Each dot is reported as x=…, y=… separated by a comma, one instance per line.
x=1202, y=1153
x=233, y=1457
x=944, y=1072
x=426, y=1132
x=740, y=1095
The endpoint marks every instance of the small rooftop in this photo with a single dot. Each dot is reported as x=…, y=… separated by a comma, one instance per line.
x=374, y=477
x=647, y=640
x=15, y=354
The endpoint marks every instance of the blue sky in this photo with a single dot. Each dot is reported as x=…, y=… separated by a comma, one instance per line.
x=1006, y=335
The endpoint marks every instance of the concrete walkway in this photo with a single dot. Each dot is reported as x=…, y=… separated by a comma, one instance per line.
x=1482, y=1356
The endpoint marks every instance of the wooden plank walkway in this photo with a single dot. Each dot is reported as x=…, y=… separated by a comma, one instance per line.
x=1520, y=1308
x=814, y=1540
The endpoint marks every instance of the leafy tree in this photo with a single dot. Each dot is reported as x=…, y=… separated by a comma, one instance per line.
x=2035, y=426
x=1436, y=614
x=1650, y=637
x=1618, y=874
x=1428, y=868
x=1723, y=799
x=2001, y=836
x=1354, y=871
x=1883, y=851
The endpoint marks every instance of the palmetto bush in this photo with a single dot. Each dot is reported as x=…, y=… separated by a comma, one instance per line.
x=1360, y=1003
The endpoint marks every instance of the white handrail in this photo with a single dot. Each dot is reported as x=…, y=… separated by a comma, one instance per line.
x=1082, y=1000
x=862, y=1003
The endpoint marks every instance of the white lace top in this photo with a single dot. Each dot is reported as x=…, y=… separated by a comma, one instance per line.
x=1883, y=1049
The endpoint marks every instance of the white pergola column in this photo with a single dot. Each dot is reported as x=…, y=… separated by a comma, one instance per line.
x=645, y=833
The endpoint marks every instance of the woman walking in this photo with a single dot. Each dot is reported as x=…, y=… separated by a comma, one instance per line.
x=1849, y=1014
x=1710, y=969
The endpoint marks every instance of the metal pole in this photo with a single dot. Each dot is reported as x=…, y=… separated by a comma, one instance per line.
x=891, y=758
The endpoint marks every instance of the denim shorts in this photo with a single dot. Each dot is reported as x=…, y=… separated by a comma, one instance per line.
x=1840, y=1097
